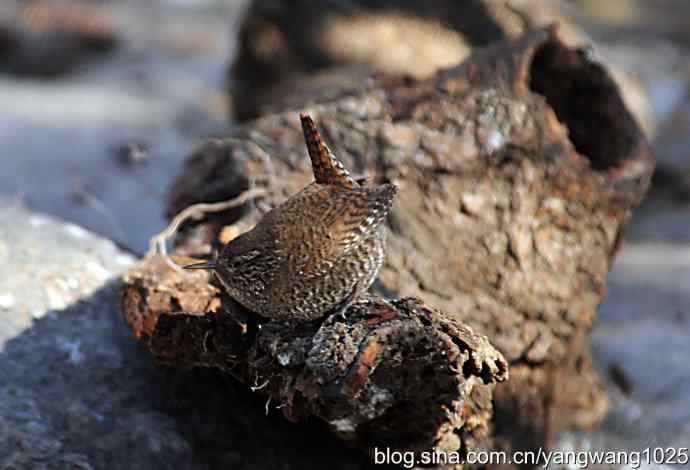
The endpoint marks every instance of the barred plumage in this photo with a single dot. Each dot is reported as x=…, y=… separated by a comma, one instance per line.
x=317, y=251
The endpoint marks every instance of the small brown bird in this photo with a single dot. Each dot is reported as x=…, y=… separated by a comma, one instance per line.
x=315, y=253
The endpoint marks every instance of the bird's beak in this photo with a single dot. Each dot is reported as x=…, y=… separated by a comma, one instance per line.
x=204, y=265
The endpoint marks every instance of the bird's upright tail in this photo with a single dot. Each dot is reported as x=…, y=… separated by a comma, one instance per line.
x=327, y=168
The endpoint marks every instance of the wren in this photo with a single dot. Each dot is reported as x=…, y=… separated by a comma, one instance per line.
x=317, y=251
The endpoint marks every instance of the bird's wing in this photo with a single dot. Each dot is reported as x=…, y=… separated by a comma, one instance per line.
x=337, y=222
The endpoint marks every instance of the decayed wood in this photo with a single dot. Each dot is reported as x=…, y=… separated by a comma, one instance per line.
x=518, y=171
x=393, y=373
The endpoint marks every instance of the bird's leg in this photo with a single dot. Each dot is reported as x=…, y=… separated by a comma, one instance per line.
x=342, y=307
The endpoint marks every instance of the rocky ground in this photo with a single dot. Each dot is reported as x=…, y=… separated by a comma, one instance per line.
x=99, y=146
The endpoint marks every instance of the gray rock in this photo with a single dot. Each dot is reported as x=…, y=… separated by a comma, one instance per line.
x=75, y=390
x=48, y=265
x=641, y=344
x=644, y=330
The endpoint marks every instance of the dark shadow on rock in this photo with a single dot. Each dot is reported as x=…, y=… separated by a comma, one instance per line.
x=227, y=426
x=78, y=392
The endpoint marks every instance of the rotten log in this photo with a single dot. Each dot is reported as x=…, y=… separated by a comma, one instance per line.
x=395, y=374
x=518, y=171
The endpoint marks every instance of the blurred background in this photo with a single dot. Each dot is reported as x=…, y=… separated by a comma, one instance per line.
x=100, y=102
